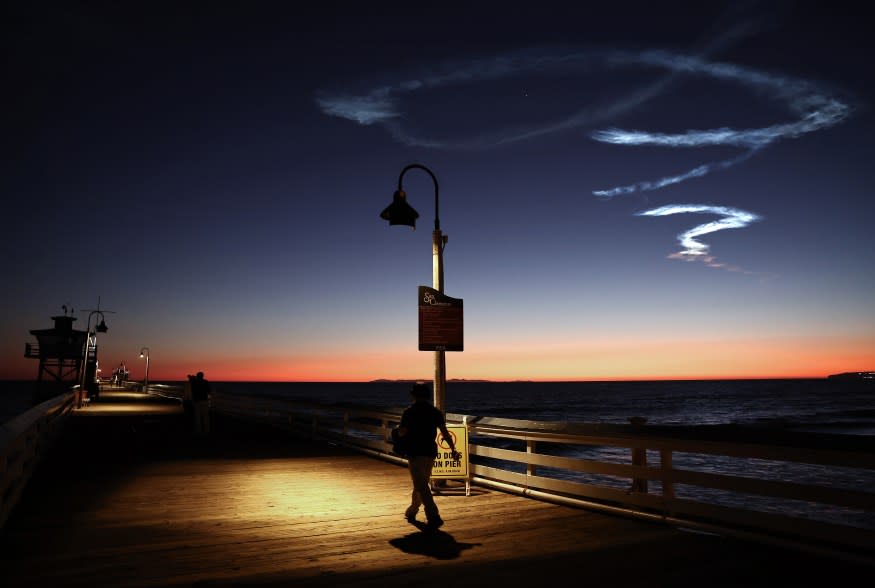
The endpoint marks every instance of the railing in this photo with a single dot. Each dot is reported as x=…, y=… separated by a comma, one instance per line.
x=23, y=440
x=164, y=390
x=31, y=350
x=767, y=485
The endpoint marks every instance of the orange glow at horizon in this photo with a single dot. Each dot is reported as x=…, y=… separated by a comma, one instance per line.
x=558, y=360
x=564, y=361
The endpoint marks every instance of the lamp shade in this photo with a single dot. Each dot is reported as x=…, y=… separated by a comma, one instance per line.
x=399, y=212
x=102, y=328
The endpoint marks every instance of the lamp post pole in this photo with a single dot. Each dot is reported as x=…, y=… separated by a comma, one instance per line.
x=399, y=212
x=144, y=352
x=91, y=341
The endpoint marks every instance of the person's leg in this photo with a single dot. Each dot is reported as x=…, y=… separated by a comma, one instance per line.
x=422, y=468
x=198, y=417
x=415, y=499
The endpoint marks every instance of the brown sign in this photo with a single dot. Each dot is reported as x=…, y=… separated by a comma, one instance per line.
x=440, y=321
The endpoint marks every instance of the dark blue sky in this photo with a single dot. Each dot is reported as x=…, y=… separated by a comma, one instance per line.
x=204, y=172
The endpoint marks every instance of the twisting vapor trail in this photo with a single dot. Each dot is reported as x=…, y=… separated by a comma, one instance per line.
x=731, y=218
x=383, y=105
x=812, y=110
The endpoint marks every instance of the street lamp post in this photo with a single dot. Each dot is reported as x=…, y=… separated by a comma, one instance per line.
x=91, y=343
x=401, y=213
x=144, y=352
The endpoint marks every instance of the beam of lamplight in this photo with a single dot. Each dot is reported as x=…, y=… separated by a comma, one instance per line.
x=693, y=249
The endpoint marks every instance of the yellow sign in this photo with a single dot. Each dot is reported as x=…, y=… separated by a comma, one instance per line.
x=444, y=464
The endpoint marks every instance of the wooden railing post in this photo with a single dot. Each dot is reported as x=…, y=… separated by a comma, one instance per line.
x=665, y=463
x=639, y=458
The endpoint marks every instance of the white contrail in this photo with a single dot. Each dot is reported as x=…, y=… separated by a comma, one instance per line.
x=383, y=105
x=811, y=109
x=693, y=249
x=814, y=110
x=696, y=172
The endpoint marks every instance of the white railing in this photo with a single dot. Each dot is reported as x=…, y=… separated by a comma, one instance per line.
x=23, y=441
x=766, y=485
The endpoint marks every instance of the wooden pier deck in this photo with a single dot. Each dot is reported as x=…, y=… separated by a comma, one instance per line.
x=128, y=497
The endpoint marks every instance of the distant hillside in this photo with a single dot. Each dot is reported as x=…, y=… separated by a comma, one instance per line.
x=853, y=376
x=386, y=381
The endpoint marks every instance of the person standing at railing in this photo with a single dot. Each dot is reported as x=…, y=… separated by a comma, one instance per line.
x=419, y=426
x=200, y=396
x=187, y=402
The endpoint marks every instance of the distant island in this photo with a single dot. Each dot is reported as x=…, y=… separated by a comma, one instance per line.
x=853, y=376
x=387, y=381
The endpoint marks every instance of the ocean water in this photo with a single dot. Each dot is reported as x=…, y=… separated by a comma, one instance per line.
x=823, y=405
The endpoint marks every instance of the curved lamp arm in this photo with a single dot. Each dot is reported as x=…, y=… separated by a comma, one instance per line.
x=437, y=218
x=102, y=326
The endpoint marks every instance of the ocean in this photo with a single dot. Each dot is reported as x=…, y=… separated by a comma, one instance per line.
x=818, y=405
x=822, y=405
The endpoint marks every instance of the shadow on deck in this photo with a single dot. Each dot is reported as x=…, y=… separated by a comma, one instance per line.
x=129, y=497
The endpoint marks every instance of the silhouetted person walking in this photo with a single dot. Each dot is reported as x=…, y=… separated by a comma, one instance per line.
x=200, y=396
x=419, y=426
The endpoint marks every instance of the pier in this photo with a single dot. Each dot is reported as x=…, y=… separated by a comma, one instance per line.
x=126, y=495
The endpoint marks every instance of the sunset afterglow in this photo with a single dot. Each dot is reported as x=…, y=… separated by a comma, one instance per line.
x=681, y=198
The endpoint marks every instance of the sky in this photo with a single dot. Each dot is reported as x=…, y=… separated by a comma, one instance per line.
x=677, y=190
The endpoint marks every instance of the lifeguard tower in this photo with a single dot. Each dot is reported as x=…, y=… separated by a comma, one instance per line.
x=60, y=355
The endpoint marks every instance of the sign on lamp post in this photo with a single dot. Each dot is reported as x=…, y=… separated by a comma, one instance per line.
x=441, y=321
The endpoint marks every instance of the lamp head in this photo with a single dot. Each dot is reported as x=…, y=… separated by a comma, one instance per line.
x=399, y=212
x=102, y=328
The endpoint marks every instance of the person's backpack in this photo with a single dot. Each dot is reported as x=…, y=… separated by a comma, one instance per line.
x=399, y=443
